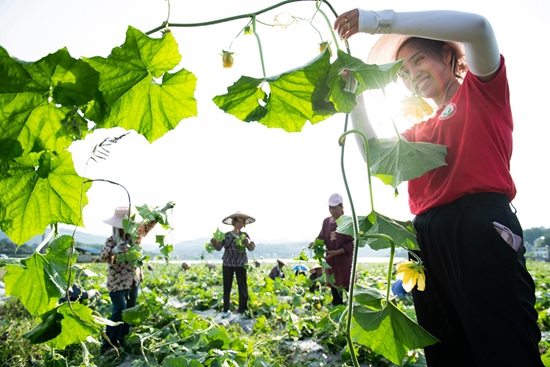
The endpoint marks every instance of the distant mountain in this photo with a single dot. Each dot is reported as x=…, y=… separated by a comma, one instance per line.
x=194, y=249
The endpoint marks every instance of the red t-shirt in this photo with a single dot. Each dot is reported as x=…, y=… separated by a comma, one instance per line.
x=476, y=126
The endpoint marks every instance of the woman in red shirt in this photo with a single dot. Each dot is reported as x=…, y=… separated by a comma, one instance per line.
x=479, y=297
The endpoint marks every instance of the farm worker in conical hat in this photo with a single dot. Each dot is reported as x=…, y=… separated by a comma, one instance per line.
x=236, y=243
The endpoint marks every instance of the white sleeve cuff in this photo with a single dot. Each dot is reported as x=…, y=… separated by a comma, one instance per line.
x=375, y=22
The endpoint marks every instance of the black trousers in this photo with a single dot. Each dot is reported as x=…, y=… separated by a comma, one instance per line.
x=479, y=298
x=242, y=287
x=336, y=296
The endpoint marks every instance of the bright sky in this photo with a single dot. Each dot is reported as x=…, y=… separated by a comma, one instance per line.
x=213, y=165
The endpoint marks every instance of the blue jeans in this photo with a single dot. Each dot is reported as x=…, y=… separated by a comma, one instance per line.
x=121, y=300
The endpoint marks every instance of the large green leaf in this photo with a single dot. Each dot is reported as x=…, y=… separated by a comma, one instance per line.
x=49, y=328
x=367, y=77
x=388, y=331
x=396, y=160
x=135, y=96
x=401, y=232
x=76, y=325
x=39, y=189
x=40, y=280
x=294, y=97
x=38, y=102
x=62, y=326
x=135, y=315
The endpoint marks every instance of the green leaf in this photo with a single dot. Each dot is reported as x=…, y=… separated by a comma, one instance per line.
x=76, y=325
x=37, y=102
x=219, y=235
x=242, y=99
x=135, y=96
x=367, y=77
x=369, y=297
x=49, y=328
x=401, y=232
x=135, y=315
x=39, y=189
x=294, y=97
x=395, y=161
x=388, y=332
x=302, y=257
x=319, y=249
x=40, y=280
x=176, y=362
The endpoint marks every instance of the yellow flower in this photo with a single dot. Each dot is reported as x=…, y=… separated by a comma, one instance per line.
x=323, y=46
x=415, y=107
x=227, y=58
x=412, y=274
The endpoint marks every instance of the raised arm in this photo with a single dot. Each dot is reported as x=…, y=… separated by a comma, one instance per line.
x=472, y=30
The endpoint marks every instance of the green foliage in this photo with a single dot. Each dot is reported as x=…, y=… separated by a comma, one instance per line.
x=239, y=242
x=367, y=76
x=219, y=235
x=295, y=97
x=386, y=329
x=76, y=320
x=132, y=94
x=171, y=326
x=395, y=161
x=51, y=103
x=134, y=252
x=39, y=189
x=319, y=249
x=40, y=280
x=402, y=233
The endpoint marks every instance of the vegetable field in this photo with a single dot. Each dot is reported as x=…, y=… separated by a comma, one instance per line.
x=177, y=322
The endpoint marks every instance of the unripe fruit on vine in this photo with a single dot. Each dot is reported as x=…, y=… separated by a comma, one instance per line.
x=227, y=59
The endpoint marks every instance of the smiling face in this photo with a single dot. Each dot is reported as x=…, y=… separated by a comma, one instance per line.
x=429, y=72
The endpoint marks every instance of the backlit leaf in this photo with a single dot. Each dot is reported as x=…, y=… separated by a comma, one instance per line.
x=367, y=76
x=401, y=232
x=40, y=189
x=136, y=96
x=396, y=160
x=40, y=280
x=37, y=101
x=294, y=97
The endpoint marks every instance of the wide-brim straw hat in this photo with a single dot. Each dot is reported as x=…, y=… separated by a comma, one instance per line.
x=116, y=220
x=229, y=219
x=386, y=47
x=314, y=269
x=281, y=262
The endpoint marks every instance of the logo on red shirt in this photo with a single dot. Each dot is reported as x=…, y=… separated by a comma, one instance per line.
x=448, y=112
